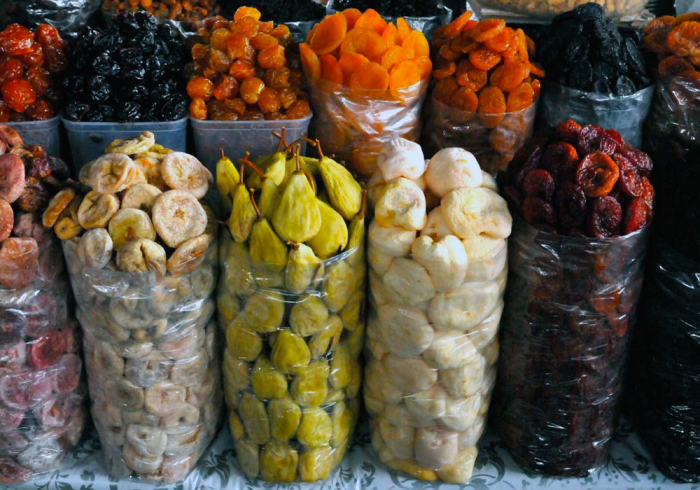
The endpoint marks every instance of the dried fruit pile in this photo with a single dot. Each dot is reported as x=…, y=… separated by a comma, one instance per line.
x=246, y=69
x=584, y=51
x=181, y=10
x=142, y=262
x=392, y=8
x=437, y=252
x=581, y=181
x=127, y=73
x=30, y=64
x=291, y=306
x=549, y=8
x=41, y=396
x=485, y=68
x=281, y=11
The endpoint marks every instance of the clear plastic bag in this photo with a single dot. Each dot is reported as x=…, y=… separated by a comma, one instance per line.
x=665, y=372
x=570, y=306
x=432, y=334
x=291, y=369
x=65, y=15
x=676, y=108
x=493, y=146
x=42, y=393
x=153, y=366
x=546, y=9
x=354, y=128
x=626, y=115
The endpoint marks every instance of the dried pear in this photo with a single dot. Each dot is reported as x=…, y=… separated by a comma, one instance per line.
x=242, y=341
x=277, y=169
x=285, y=416
x=471, y=212
x=248, y=455
x=238, y=268
x=266, y=248
x=227, y=179
x=310, y=386
x=338, y=285
x=343, y=420
x=343, y=190
x=351, y=313
x=308, y=316
x=236, y=371
x=340, y=368
x=333, y=235
x=270, y=194
x=316, y=428
x=264, y=311
x=297, y=218
x=267, y=381
x=356, y=229
x=290, y=353
x=252, y=411
x=321, y=342
x=266, y=278
x=243, y=214
x=302, y=266
x=279, y=462
x=402, y=204
x=316, y=464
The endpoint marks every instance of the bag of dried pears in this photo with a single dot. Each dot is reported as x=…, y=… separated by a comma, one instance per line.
x=291, y=304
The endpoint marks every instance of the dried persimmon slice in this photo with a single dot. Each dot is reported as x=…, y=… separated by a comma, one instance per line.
x=522, y=97
x=392, y=56
x=350, y=62
x=416, y=45
x=486, y=29
x=329, y=34
x=369, y=77
x=330, y=69
x=371, y=19
x=310, y=61
x=509, y=76
x=364, y=41
x=484, y=59
x=351, y=15
x=492, y=106
x=403, y=75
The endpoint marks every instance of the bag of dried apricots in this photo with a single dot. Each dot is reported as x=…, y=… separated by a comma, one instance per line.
x=484, y=91
x=368, y=80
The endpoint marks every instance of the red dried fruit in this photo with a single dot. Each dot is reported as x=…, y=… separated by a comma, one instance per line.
x=40, y=79
x=10, y=69
x=7, y=219
x=630, y=181
x=40, y=111
x=605, y=217
x=48, y=35
x=558, y=155
x=594, y=138
x=47, y=350
x=10, y=419
x=538, y=211
x=568, y=131
x=12, y=179
x=530, y=162
x=35, y=195
x=16, y=40
x=35, y=57
x=513, y=196
x=539, y=183
x=25, y=390
x=637, y=215
x=68, y=373
x=55, y=412
x=597, y=174
x=637, y=158
x=11, y=472
x=56, y=59
x=570, y=205
x=19, y=258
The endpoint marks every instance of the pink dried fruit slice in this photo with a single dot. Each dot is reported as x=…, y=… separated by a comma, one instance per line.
x=11, y=472
x=19, y=262
x=13, y=356
x=46, y=351
x=68, y=374
x=25, y=390
x=7, y=219
x=11, y=177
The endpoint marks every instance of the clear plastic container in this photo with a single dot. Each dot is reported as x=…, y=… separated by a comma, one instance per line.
x=237, y=137
x=42, y=133
x=88, y=140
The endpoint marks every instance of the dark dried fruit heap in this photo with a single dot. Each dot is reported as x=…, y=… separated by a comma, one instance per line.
x=29, y=66
x=581, y=181
x=392, y=8
x=584, y=51
x=181, y=10
x=132, y=71
x=281, y=11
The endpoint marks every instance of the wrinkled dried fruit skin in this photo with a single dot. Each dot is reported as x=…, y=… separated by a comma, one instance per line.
x=597, y=174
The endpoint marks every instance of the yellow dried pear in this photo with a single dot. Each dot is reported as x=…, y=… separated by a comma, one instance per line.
x=315, y=464
x=340, y=368
x=238, y=268
x=302, y=266
x=267, y=278
x=343, y=419
x=297, y=218
x=236, y=425
x=252, y=412
x=236, y=371
x=242, y=341
x=308, y=315
x=355, y=341
x=316, y=427
x=243, y=214
x=350, y=314
x=266, y=248
x=356, y=230
x=338, y=285
x=289, y=352
x=279, y=462
x=277, y=169
x=333, y=235
x=310, y=386
x=343, y=190
x=270, y=194
x=227, y=179
x=264, y=311
x=248, y=455
x=308, y=165
x=353, y=388
x=267, y=381
x=285, y=416
x=326, y=338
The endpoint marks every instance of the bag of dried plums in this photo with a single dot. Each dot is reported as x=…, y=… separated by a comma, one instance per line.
x=583, y=202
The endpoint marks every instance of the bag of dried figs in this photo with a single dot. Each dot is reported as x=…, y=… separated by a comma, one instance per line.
x=42, y=393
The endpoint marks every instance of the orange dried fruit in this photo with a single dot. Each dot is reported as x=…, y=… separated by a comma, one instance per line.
x=351, y=15
x=330, y=69
x=392, y=56
x=329, y=34
x=404, y=74
x=463, y=44
x=241, y=69
x=465, y=100
x=444, y=69
x=371, y=19
x=484, y=59
x=425, y=65
x=486, y=29
x=492, y=106
x=521, y=43
x=509, y=76
x=247, y=12
x=447, y=53
x=310, y=61
x=403, y=27
x=520, y=98
x=391, y=35
x=455, y=27
x=416, y=45
x=227, y=88
x=350, y=62
x=502, y=41
x=655, y=42
x=687, y=17
x=470, y=77
x=219, y=39
x=684, y=39
x=369, y=77
x=263, y=41
x=660, y=24
x=673, y=65
x=536, y=87
x=536, y=70
x=364, y=41
x=200, y=87
x=272, y=58
x=444, y=89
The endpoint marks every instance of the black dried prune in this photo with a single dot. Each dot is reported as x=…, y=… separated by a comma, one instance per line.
x=75, y=111
x=624, y=86
x=100, y=91
x=137, y=93
x=581, y=77
x=105, y=65
x=577, y=50
x=130, y=112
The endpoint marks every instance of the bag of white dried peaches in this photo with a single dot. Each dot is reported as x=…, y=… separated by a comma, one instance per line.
x=437, y=254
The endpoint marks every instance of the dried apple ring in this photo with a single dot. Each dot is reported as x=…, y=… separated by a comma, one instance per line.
x=509, y=76
x=330, y=69
x=487, y=29
x=329, y=34
x=364, y=41
x=492, y=106
x=520, y=98
x=371, y=76
x=484, y=59
x=371, y=19
x=312, y=65
x=404, y=74
x=597, y=174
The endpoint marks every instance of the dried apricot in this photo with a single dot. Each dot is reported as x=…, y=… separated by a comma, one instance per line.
x=242, y=12
x=663, y=23
x=674, y=65
x=392, y=56
x=444, y=69
x=655, y=42
x=351, y=16
x=484, y=59
x=501, y=41
x=444, y=89
x=509, y=76
x=539, y=183
x=520, y=98
x=329, y=34
x=403, y=75
x=403, y=27
x=470, y=77
x=330, y=69
x=369, y=77
x=487, y=29
x=560, y=156
x=492, y=106
x=371, y=19
x=455, y=27
x=416, y=45
x=521, y=43
x=684, y=39
x=631, y=183
x=366, y=42
x=605, y=217
x=391, y=35
x=537, y=211
x=310, y=60
x=425, y=65
x=536, y=70
x=464, y=99
x=597, y=174
x=351, y=62
x=570, y=205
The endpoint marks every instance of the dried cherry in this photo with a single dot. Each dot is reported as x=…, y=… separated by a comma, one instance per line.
x=605, y=217
x=539, y=183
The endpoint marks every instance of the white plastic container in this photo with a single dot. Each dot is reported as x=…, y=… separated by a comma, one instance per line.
x=43, y=133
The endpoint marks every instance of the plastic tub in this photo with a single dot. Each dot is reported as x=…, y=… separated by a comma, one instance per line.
x=42, y=133
x=237, y=137
x=88, y=140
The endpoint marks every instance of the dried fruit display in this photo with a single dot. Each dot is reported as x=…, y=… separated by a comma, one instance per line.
x=130, y=72
x=584, y=203
x=392, y=8
x=437, y=253
x=676, y=108
x=246, y=69
x=484, y=90
x=141, y=251
x=41, y=393
x=180, y=10
x=30, y=66
x=281, y=11
x=291, y=304
x=368, y=80
x=550, y=8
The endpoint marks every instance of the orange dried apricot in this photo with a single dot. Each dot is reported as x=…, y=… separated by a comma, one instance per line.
x=455, y=27
x=404, y=74
x=536, y=87
x=492, y=106
x=416, y=45
x=487, y=29
x=350, y=62
x=425, y=65
x=684, y=39
x=263, y=41
x=463, y=44
x=447, y=53
x=329, y=34
x=369, y=77
x=281, y=32
x=502, y=41
x=470, y=77
x=444, y=89
x=391, y=35
x=484, y=59
x=371, y=19
x=403, y=27
x=655, y=41
x=364, y=41
x=660, y=24
x=520, y=98
x=392, y=56
x=673, y=65
x=351, y=15
x=687, y=17
x=330, y=69
x=310, y=61
x=521, y=43
x=464, y=99
x=509, y=76
x=247, y=12
x=537, y=70
x=444, y=69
